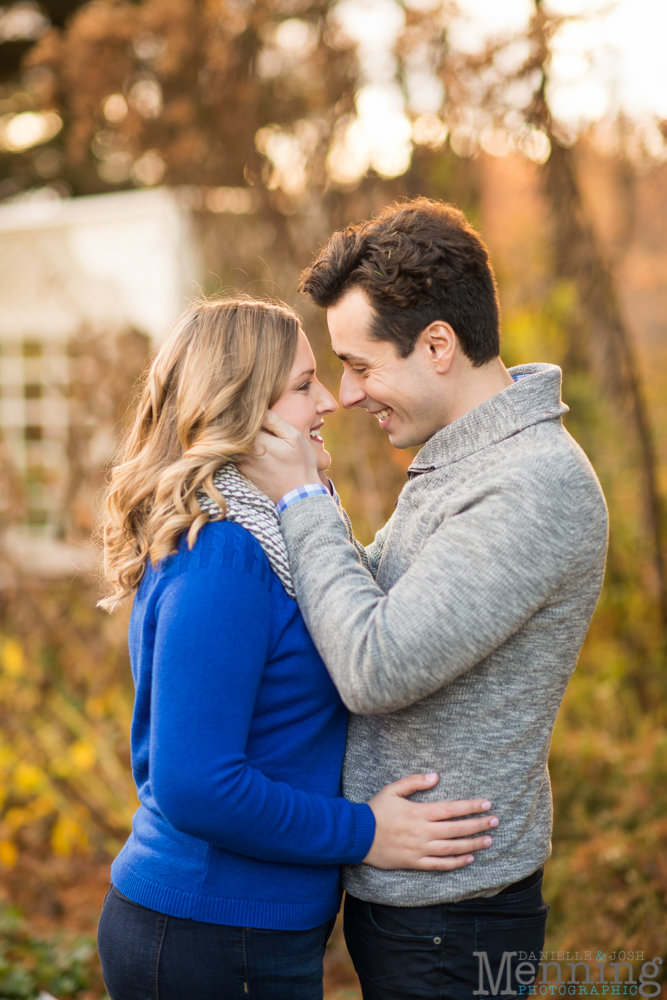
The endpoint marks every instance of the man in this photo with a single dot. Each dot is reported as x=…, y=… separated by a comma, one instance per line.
x=452, y=638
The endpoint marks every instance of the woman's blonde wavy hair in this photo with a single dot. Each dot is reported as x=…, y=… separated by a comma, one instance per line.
x=203, y=402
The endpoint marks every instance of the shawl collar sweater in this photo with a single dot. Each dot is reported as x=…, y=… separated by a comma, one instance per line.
x=453, y=636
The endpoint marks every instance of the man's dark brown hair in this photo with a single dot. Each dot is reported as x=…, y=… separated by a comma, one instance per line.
x=417, y=261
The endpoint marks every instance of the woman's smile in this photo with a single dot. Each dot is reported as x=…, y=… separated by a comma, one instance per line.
x=305, y=400
x=315, y=433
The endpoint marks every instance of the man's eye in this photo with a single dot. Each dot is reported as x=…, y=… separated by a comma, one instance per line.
x=358, y=371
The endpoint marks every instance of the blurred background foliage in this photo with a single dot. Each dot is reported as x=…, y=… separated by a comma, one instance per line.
x=254, y=112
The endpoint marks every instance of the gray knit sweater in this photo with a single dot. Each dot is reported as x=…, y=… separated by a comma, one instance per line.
x=454, y=650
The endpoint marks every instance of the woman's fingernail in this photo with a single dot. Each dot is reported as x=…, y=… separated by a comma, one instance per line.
x=494, y=821
x=488, y=841
x=430, y=776
x=469, y=860
x=486, y=805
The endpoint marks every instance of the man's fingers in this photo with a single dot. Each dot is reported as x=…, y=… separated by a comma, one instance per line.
x=265, y=444
x=259, y=447
x=278, y=427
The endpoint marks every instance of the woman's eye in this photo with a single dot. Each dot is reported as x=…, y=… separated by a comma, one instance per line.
x=305, y=387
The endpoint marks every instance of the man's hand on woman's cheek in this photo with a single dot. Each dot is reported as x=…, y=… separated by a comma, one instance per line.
x=282, y=461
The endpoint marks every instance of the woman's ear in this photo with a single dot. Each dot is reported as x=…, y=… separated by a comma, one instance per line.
x=440, y=341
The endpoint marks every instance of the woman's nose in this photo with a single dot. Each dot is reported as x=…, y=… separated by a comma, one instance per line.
x=326, y=402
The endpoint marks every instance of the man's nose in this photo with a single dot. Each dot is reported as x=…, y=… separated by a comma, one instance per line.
x=352, y=391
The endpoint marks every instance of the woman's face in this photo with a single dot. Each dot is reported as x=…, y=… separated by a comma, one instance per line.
x=305, y=401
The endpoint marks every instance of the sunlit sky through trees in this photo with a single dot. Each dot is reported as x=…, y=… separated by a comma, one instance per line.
x=425, y=71
x=610, y=57
x=607, y=61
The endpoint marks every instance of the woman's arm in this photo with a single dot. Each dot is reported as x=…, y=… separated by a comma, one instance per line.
x=211, y=645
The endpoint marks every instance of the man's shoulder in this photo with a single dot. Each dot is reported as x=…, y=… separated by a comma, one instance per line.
x=544, y=452
x=540, y=471
x=542, y=455
x=547, y=459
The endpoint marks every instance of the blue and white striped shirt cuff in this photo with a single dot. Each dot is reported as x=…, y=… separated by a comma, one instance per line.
x=300, y=493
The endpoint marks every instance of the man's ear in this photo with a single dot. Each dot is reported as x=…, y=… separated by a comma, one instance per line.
x=440, y=342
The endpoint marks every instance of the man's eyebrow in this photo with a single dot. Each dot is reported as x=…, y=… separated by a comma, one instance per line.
x=352, y=359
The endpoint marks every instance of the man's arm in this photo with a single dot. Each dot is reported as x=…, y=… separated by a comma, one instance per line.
x=477, y=579
x=376, y=548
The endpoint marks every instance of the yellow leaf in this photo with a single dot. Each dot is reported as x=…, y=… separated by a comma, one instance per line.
x=61, y=766
x=8, y=853
x=14, y=818
x=66, y=835
x=83, y=755
x=12, y=657
x=43, y=805
x=95, y=708
x=28, y=778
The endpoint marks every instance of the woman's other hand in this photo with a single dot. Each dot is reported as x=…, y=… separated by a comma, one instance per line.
x=427, y=836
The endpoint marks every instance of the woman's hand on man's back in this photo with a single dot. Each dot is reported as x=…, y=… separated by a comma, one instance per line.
x=427, y=836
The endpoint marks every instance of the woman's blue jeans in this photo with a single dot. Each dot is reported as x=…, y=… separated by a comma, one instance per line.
x=147, y=955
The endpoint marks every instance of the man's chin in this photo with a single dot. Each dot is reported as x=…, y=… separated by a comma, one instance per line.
x=403, y=439
x=397, y=438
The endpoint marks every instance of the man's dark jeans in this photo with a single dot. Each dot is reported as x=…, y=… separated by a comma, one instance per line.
x=146, y=955
x=428, y=952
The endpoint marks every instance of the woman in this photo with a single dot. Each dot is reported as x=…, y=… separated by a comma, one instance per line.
x=228, y=885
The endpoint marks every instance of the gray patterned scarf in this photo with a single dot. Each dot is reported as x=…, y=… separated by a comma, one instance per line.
x=250, y=508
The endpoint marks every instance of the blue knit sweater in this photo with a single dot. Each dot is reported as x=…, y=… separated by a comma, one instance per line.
x=238, y=738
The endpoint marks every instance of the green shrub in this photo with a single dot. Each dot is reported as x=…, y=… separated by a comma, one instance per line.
x=29, y=965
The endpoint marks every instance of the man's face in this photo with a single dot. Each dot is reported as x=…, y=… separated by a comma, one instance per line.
x=403, y=394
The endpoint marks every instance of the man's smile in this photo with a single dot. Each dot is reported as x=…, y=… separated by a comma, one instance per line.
x=382, y=415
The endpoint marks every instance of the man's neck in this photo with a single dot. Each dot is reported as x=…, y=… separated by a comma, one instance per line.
x=475, y=385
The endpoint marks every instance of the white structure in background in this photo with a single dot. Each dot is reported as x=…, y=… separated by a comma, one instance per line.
x=102, y=263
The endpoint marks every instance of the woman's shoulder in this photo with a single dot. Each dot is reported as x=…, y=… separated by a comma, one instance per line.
x=220, y=546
